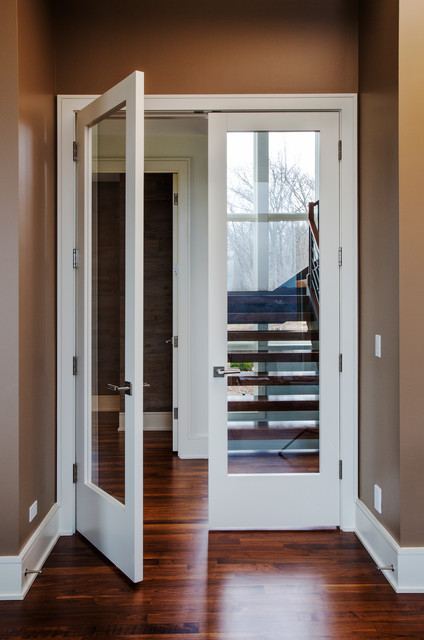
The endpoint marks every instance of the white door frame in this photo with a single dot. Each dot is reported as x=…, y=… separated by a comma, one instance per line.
x=111, y=526
x=180, y=168
x=346, y=105
x=278, y=499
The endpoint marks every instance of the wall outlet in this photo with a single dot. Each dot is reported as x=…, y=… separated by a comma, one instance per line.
x=33, y=511
x=377, y=346
x=377, y=498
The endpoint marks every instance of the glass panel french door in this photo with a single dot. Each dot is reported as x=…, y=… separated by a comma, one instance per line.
x=274, y=272
x=110, y=324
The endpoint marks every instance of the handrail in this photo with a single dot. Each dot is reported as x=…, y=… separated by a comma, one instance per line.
x=311, y=219
x=313, y=275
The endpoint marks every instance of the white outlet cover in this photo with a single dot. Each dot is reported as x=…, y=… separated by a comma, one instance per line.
x=33, y=511
x=377, y=498
x=378, y=345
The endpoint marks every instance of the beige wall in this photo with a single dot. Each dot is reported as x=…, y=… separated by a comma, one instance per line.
x=411, y=230
x=223, y=47
x=27, y=250
x=236, y=46
x=379, y=261
x=9, y=237
x=37, y=263
x=203, y=47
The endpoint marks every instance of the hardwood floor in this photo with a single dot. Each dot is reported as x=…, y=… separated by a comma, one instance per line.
x=306, y=585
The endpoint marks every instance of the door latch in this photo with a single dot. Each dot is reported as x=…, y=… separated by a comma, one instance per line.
x=127, y=388
x=220, y=372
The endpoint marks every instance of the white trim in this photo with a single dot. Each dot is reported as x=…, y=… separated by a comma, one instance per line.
x=105, y=403
x=13, y=582
x=349, y=312
x=66, y=242
x=152, y=421
x=114, y=529
x=181, y=399
x=157, y=421
x=292, y=500
x=346, y=104
x=408, y=562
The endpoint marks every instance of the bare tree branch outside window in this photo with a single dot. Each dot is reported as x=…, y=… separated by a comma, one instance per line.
x=290, y=191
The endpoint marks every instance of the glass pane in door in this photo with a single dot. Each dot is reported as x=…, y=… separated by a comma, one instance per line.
x=273, y=302
x=108, y=304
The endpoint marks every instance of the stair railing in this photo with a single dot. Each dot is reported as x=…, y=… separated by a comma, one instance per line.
x=313, y=275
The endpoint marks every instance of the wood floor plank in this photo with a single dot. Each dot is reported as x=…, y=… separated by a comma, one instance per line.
x=231, y=585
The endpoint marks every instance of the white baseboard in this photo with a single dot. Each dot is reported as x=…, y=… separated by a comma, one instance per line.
x=157, y=421
x=105, y=403
x=408, y=562
x=152, y=421
x=13, y=582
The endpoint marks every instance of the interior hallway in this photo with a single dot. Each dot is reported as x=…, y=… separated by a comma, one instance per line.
x=305, y=585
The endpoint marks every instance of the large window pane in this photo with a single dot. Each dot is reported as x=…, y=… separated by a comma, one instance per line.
x=273, y=314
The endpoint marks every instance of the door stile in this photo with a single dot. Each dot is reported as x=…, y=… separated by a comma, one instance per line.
x=113, y=524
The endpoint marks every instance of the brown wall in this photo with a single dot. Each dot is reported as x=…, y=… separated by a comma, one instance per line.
x=37, y=263
x=379, y=259
x=9, y=237
x=37, y=266
x=27, y=250
x=239, y=46
x=411, y=230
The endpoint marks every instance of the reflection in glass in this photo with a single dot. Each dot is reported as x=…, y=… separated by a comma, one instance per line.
x=273, y=302
x=108, y=304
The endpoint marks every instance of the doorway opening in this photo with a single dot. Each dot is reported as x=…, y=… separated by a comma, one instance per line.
x=198, y=274
x=159, y=301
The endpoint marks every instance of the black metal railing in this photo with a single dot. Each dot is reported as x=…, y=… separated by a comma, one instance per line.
x=313, y=275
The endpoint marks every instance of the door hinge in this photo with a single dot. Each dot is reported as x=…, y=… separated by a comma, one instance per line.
x=340, y=362
x=340, y=150
x=175, y=271
x=75, y=151
x=75, y=258
x=74, y=473
x=176, y=199
x=175, y=342
x=74, y=365
x=340, y=256
x=175, y=413
x=340, y=469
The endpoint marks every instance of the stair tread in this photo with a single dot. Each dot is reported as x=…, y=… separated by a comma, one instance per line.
x=262, y=295
x=264, y=317
x=275, y=397
x=271, y=335
x=252, y=403
x=297, y=355
x=288, y=349
x=273, y=434
x=271, y=424
x=264, y=378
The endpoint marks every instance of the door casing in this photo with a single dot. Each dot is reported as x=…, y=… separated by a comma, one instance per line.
x=180, y=169
x=346, y=105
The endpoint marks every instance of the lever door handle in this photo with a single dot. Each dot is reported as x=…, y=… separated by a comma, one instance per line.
x=220, y=372
x=127, y=388
x=146, y=384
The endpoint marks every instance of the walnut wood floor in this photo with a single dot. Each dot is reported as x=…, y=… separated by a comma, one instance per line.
x=222, y=586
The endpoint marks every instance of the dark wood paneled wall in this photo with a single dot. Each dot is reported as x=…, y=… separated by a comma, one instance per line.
x=107, y=313
x=158, y=291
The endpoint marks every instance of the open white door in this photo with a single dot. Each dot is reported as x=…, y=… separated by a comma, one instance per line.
x=110, y=324
x=274, y=320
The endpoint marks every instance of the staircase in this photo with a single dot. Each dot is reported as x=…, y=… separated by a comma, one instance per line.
x=273, y=404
